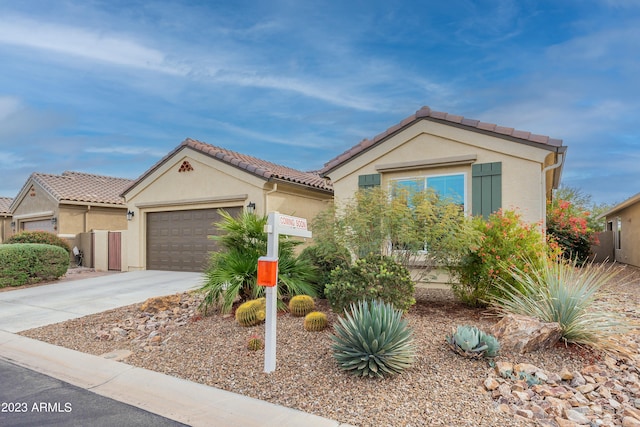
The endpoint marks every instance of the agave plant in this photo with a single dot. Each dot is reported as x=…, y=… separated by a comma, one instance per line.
x=472, y=342
x=373, y=340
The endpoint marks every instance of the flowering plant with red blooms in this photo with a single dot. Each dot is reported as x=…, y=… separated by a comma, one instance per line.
x=568, y=227
x=505, y=239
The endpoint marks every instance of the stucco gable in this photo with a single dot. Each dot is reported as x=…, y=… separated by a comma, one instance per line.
x=76, y=187
x=425, y=113
x=249, y=164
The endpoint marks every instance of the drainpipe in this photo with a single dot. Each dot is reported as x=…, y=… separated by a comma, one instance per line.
x=266, y=197
x=544, y=184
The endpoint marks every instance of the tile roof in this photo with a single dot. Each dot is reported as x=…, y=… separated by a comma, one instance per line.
x=83, y=187
x=250, y=164
x=5, y=202
x=449, y=119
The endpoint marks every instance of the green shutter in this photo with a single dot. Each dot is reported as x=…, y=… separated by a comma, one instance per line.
x=486, y=188
x=369, y=181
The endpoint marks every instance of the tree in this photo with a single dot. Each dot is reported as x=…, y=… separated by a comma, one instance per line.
x=418, y=229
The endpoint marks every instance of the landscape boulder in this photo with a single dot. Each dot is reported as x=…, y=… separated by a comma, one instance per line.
x=525, y=334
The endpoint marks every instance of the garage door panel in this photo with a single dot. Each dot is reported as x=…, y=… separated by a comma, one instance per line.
x=179, y=240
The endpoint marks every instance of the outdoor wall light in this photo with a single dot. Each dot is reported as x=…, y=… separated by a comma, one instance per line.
x=251, y=207
x=54, y=221
x=13, y=225
x=130, y=215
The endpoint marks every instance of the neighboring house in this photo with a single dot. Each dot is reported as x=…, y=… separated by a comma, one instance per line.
x=483, y=166
x=5, y=218
x=175, y=203
x=623, y=225
x=70, y=204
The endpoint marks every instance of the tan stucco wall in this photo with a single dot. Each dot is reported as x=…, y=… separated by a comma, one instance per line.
x=5, y=228
x=34, y=205
x=211, y=184
x=629, y=253
x=522, y=185
x=79, y=219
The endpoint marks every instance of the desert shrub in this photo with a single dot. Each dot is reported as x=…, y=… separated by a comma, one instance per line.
x=27, y=263
x=560, y=291
x=419, y=229
x=373, y=340
x=232, y=272
x=370, y=278
x=39, y=237
x=325, y=256
x=504, y=240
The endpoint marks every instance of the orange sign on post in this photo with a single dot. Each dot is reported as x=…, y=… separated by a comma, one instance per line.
x=267, y=271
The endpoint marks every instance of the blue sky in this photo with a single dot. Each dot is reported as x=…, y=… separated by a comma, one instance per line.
x=111, y=86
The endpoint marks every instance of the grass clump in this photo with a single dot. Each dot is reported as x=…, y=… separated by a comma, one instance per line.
x=566, y=293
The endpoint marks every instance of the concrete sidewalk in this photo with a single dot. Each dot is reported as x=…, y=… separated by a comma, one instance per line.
x=174, y=398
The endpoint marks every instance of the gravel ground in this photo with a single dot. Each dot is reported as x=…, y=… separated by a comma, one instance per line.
x=441, y=389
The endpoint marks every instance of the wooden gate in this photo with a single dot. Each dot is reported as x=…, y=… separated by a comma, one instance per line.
x=115, y=250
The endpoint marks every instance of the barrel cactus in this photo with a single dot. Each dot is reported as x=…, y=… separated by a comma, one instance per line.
x=315, y=321
x=255, y=343
x=373, y=340
x=469, y=341
x=301, y=305
x=251, y=312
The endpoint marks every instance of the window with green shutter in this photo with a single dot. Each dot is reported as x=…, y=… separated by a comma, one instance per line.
x=369, y=181
x=486, y=188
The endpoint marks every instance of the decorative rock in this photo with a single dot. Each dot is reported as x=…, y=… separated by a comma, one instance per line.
x=504, y=369
x=159, y=304
x=630, y=422
x=491, y=384
x=566, y=375
x=576, y=417
x=525, y=334
x=565, y=423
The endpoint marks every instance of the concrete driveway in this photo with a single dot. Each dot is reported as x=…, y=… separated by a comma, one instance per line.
x=29, y=308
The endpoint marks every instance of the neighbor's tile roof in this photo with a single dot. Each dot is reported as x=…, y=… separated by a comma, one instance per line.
x=250, y=164
x=446, y=118
x=83, y=187
x=5, y=202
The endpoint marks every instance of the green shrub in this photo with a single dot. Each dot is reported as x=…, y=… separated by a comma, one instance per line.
x=568, y=226
x=560, y=291
x=373, y=277
x=504, y=240
x=39, y=237
x=28, y=263
x=326, y=256
x=373, y=340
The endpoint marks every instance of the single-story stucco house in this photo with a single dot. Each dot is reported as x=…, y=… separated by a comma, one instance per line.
x=482, y=165
x=5, y=218
x=623, y=223
x=70, y=204
x=176, y=202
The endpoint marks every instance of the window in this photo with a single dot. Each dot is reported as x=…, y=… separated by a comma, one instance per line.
x=448, y=187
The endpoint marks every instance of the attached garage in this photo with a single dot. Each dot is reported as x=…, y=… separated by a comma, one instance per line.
x=179, y=240
x=40, y=225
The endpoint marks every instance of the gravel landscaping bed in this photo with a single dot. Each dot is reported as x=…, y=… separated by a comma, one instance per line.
x=442, y=388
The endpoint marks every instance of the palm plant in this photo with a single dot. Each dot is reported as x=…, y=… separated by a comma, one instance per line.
x=232, y=272
x=566, y=293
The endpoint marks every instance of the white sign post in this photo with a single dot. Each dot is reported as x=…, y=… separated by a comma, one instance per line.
x=277, y=224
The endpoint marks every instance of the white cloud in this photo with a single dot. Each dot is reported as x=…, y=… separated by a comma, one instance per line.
x=125, y=150
x=84, y=43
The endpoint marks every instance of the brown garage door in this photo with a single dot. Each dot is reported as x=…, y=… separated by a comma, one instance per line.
x=177, y=240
